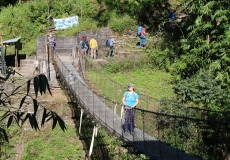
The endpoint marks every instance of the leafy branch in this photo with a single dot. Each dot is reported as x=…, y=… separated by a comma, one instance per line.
x=19, y=115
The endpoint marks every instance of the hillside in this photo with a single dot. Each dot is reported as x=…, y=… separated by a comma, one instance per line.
x=192, y=53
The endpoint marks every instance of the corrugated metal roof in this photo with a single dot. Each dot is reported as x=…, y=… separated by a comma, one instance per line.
x=11, y=40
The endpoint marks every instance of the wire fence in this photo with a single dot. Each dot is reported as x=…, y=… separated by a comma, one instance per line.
x=188, y=129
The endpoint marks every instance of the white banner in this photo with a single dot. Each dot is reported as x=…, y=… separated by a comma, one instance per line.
x=61, y=24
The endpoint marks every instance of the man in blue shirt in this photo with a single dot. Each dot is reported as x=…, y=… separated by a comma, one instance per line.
x=111, y=46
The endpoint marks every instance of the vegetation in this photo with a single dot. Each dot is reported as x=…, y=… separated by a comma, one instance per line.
x=195, y=51
x=41, y=146
x=28, y=108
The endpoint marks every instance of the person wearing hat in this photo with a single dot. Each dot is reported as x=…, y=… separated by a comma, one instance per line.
x=130, y=101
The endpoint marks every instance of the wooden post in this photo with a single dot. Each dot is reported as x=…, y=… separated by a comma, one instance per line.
x=1, y=43
x=46, y=45
x=1, y=40
x=2, y=57
x=3, y=63
x=16, y=57
x=47, y=58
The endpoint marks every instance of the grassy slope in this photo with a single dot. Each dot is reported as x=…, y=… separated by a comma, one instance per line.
x=53, y=144
x=48, y=144
x=152, y=82
x=57, y=145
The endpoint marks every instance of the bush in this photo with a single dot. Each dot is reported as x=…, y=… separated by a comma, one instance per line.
x=121, y=23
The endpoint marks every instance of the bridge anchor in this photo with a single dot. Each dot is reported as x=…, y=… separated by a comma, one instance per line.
x=95, y=131
x=82, y=111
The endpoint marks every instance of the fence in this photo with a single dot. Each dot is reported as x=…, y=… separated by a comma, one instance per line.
x=184, y=127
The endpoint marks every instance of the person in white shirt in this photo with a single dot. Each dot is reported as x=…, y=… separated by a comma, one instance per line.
x=36, y=64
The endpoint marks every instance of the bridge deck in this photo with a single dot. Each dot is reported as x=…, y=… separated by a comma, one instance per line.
x=146, y=144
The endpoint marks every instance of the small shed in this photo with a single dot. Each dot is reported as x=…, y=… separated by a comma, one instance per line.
x=18, y=46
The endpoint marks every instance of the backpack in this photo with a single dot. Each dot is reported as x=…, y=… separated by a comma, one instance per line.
x=171, y=15
x=84, y=45
x=109, y=42
x=142, y=32
x=139, y=29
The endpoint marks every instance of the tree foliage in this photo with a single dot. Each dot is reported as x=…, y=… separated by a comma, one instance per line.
x=148, y=12
x=206, y=45
x=29, y=19
x=204, y=91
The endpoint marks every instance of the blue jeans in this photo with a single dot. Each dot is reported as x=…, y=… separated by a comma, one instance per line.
x=142, y=40
x=111, y=51
x=129, y=120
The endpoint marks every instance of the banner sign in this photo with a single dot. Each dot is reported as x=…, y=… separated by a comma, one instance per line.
x=61, y=24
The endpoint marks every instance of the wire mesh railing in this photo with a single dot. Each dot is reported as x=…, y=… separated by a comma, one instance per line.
x=184, y=127
x=104, y=85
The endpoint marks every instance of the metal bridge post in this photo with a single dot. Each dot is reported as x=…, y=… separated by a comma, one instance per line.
x=82, y=111
x=115, y=109
x=122, y=116
x=95, y=130
x=114, y=112
x=73, y=52
x=122, y=112
x=158, y=134
x=143, y=123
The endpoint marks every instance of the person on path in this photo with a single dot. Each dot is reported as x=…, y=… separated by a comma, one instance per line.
x=93, y=46
x=112, y=43
x=51, y=42
x=143, y=37
x=84, y=45
x=130, y=101
x=36, y=64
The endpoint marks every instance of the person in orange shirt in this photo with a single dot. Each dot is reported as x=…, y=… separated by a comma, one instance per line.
x=94, y=47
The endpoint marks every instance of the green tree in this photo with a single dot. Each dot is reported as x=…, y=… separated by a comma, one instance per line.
x=149, y=12
x=207, y=92
x=204, y=91
x=206, y=45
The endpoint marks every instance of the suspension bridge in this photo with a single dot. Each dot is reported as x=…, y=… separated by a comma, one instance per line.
x=148, y=136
